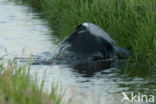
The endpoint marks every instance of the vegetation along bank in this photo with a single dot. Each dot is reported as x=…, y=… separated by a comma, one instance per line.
x=131, y=23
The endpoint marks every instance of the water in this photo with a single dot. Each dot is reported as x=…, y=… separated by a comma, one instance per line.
x=23, y=33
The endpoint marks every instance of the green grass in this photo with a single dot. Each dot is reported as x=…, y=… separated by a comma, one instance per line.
x=18, y=87
x=131, y=23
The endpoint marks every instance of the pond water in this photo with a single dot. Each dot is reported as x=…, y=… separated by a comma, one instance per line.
x=23, y=33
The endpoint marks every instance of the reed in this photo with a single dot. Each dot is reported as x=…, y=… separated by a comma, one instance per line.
x=17, y=86
x=131, y=23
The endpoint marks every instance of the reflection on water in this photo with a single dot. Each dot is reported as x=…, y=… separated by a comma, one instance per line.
x=23, y=33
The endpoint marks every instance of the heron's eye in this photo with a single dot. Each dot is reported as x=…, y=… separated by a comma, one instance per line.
x=78, y=26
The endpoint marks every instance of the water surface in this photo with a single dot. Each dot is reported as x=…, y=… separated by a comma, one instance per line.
x=22, y=33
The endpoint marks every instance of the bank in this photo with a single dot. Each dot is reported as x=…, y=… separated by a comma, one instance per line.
x=131, y=23
x=17, y=86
